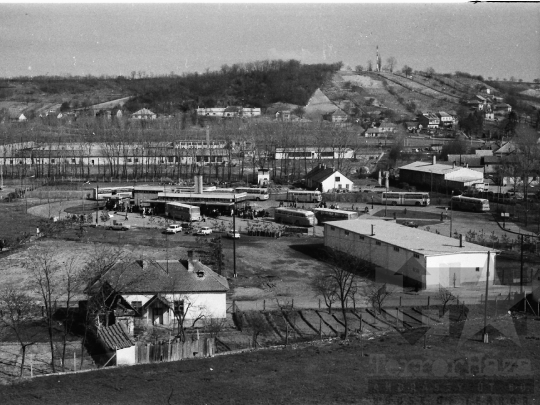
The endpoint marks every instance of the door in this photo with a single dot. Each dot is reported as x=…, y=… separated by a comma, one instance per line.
x=157, y=316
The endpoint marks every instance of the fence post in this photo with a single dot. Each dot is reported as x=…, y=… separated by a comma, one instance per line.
x=264, y=305
x=428, y=299
x=74, y=362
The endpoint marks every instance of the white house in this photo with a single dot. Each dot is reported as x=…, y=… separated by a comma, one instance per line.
x=327, y=179
x=409, y=256
x=144, y=114
x=158, y=292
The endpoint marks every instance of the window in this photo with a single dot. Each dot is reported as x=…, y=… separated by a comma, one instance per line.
x=346, y=233
x=136, y=160
x=478, y=269
x=137, y=305
x=417, y=255
x=179, y=307
x=93, y=161
x=72, y=160
x=396, y=249
x=378, y=243
x=53, y=161
x=129, y=160
x=338, y=178
x=361, y=237
x=332, y=228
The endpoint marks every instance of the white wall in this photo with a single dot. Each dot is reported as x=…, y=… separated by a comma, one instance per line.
x=441, y=269
x=212, y=305
x=330, y=183
x=125, y=356
x=434, y=269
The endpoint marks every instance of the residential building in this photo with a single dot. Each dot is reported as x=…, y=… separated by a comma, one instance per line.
x=144, y=114
x=428, y=120
x=327, y=179
x=409, y=257
x=373, y=133
x=412, y=126
x=436, y=176
x=336, y=116
x=502, y=108
x=446, y=120
x=314, y=153
x=158, y=292
x=16, y=116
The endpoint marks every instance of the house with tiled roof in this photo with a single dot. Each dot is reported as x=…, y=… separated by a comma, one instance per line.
x=161, y=292
x=327, y=179
x=16, y=116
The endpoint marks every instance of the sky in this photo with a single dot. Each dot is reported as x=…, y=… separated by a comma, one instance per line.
x=493, y=40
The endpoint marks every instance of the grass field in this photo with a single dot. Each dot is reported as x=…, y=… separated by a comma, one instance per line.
x=450, y=369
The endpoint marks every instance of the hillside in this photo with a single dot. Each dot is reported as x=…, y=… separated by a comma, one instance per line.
x=266, y=84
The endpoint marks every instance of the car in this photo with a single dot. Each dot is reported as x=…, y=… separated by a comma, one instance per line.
x=204, y=231
x=119, y=226
x=233, y=234
x=410, y=224
x=173, y=228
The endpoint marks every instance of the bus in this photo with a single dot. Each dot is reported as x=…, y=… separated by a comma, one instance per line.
x=295, y=217
x=101, y=193
x=405, y=198
x=303, y=196
x=211, y=204
x=460, y=202
x=183, y=212
x=328, y=214
x=257, y=194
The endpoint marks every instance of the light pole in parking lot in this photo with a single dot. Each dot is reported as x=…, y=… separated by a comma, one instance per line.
x=234, y=239
x=451, y=212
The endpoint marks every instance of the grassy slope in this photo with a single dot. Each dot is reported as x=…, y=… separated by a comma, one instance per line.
x=322, y=372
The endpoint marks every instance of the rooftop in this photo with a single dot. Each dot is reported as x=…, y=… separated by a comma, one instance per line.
x=429, y=167
x=165, y=276
x=413, y=239
x=115, y=337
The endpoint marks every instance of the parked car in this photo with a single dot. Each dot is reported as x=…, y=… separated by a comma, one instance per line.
x=173, y=228
x=373, y=189
x=119, y=226
x=233, y=234
x=204, y=231
x=410, y=224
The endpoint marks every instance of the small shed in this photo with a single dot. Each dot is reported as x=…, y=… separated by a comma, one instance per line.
x=118, y=344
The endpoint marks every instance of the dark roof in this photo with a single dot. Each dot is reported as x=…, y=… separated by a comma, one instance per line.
x=319, y=174
x=162, y=276
x=115, y=337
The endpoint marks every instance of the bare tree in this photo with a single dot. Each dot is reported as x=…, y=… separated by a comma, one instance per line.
x=55, y=281
x=258, y=325
x=377, y=294
x=391, y=63
x=343, y=271
x=18, y=315
x=324, y=285
x=446, y=296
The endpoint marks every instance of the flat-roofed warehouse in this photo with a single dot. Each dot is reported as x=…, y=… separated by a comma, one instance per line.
x=423, y=259
x=439, y=177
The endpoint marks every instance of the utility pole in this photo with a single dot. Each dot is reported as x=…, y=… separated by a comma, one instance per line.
x=234, y=239
x=485, y=335
x=521, y=268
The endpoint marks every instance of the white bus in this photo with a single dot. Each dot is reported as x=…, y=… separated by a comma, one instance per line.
x=101, y=193
x=328, y=214
x=405, y=198
x=303, y=196
x=183, y=212
x=459, y=202
x=295, y=216
x=257, y=194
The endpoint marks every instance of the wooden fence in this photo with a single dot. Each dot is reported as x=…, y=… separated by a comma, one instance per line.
x=174, y=350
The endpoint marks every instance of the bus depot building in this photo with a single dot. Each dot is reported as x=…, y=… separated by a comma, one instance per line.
x=410, y=257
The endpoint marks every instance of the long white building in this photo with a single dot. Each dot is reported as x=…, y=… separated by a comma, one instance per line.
x=418, y=258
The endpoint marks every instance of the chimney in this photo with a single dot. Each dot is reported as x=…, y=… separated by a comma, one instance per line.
x=198, y=189
x=190, y=261
x=453, y=165
x=434, y=159
x=467, y=165
x=372, y=230
x=320, y=165
x=460, y=240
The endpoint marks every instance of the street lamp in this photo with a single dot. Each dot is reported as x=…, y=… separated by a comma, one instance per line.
x=451, y=211
x=234, y=239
